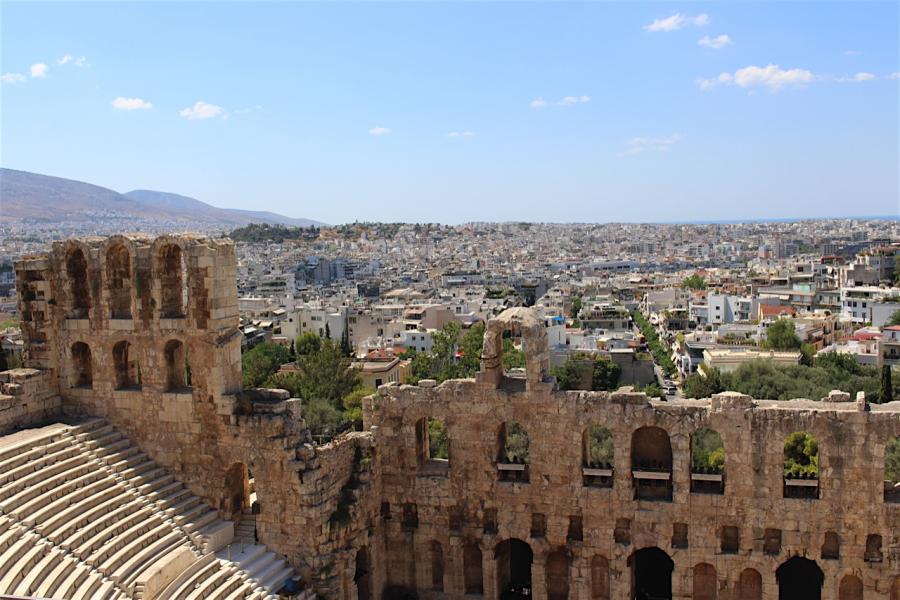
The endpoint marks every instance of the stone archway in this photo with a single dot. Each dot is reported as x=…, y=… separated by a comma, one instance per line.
x=557, y=570
x=237, y=491
x=513, y=558
x=361, y=575
x=651, y=574
x=799, y=579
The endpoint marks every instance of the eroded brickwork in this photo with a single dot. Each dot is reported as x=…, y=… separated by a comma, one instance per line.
x=584, y=538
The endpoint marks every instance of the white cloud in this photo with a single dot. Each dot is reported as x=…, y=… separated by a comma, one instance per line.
x=68, y=58
x=894, y=75
x=856, y=78
x=662, y=144
x=455, y=134
x=720, y=41
x=538, y=103
x=121, y=103
x=202, y=110
x=863, y=76
x=852, y=52
x=570, y=100
x=39, y=70
x=677, y=21
x=771, y=77
x=12, y=78
x=378, y=130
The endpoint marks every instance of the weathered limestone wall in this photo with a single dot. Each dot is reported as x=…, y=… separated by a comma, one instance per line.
x=27, y=397
x=173, y=299
x=851, y=450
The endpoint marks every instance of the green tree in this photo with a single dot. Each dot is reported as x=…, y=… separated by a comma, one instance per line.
x=782, y=335
x=694, y=282
x=576, y=307
x=353, y=406
x=513, y=358
x=892, y=461
x=887, y=388
x=698, y=386
x=262, y=361
x=327, y=331
x=326, y=375
x=894, y=318
x=707, y=451
x=586, y=372
x=438, y=441
x=600, y=447
x=308, y=343
x=801, y=454
x=345, y=342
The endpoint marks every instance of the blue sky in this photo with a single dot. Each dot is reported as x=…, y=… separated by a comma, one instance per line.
x=457, y=112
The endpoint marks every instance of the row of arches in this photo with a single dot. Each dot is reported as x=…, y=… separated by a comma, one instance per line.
x=651, y=572
x=119, y=280
x=652, y=459
x=126, y=367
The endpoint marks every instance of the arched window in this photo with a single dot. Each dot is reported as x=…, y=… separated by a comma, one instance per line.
x=361, y=575
x=873, y=548
x=892, y=471
x=599, y=457
x=707, y=462
x=851, y=588
x=82, y=365
x=831, y=547
x=651, y=464
x=799, y=577
x=433, y=443
x=437, y=566
x=651, y=573
x=76, y=269
x=118, y=281
x=177, y=367
x=514, y=559
x=472, y=569
x=750, y=585
x=599, y=578
x=705, y=584
x=557, y=571
x=237, y=486
x=128, y=374
x=512, y=458
x=172, y=282
x=801, y=466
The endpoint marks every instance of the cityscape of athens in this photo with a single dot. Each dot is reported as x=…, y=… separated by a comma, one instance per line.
x=457, y=300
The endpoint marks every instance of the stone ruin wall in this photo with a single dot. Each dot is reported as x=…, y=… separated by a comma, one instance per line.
x=202, y=430
x=465, y=504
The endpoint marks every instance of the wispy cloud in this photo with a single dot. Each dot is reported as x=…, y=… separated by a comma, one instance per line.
x=863, y=76
x=457, y=134
x=771, y=77
x=79, y=61
x=894, y=75
x=39, y=70
x=852, y=52
x=379, y=130
x=720, y=41
x=570, y=100
x=12, y=78
x=677, y=21
x=122, y=103
x=637, y=145
x=202, y=110
x=246, y=110
x=564, y=101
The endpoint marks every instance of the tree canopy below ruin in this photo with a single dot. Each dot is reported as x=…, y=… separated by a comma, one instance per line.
x=763, y=378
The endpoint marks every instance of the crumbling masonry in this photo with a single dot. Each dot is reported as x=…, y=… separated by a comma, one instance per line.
x=143, y=332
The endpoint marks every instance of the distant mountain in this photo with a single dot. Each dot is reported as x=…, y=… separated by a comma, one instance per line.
x=25, y=195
